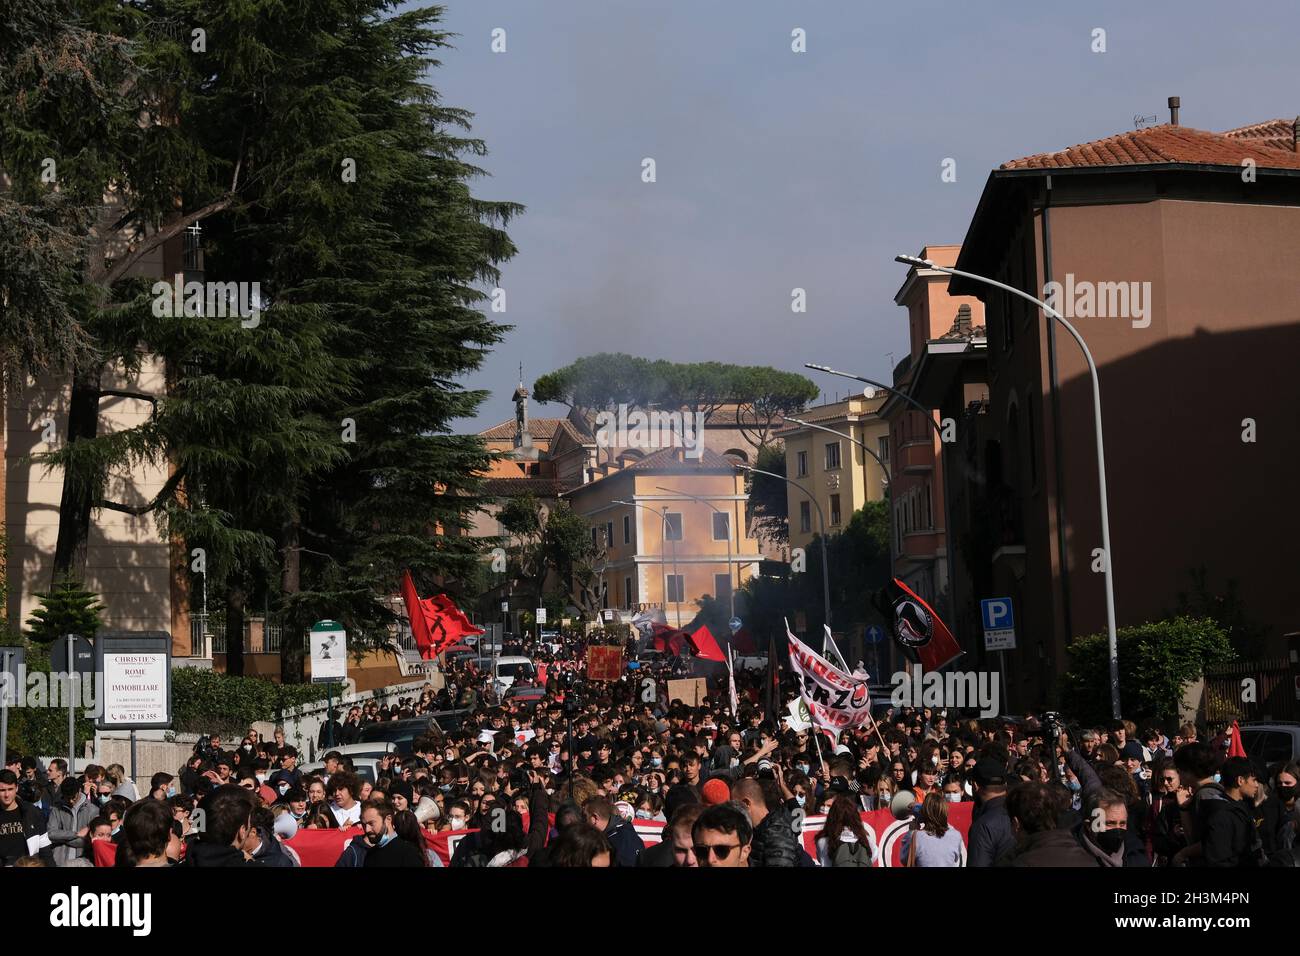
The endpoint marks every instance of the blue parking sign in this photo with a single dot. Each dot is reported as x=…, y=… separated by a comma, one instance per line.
x=999, y=624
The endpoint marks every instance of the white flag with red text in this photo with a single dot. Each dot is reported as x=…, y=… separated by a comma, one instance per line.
x=837, y=701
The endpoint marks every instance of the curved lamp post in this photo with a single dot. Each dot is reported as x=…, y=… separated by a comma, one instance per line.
x=1101, y=454
x=821, y=517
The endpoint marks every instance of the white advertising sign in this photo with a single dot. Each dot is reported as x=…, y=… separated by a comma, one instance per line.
x=135, y=688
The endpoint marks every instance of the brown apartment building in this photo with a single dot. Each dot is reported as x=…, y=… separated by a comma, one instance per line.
x=1175, y=251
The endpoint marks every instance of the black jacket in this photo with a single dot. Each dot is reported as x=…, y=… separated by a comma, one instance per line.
x=270, y=853
x=991, y=836
x=396, y=852
x=1228, y=833
x=214, y=854
x=622, y=837
x=775, y=843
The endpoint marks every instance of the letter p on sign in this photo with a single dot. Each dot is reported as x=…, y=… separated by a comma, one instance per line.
x=997, y=613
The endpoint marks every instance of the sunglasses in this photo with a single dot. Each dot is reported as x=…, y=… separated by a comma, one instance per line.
x=721, y=850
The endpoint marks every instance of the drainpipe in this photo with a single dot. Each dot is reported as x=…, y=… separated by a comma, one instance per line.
x=1053, y=385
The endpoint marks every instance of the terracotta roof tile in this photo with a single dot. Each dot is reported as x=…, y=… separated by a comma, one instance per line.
x=1275, y=134
x=1163, y=144
x=514, y=487
x=544, y=429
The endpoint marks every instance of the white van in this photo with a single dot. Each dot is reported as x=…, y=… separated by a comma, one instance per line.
x=506, y=670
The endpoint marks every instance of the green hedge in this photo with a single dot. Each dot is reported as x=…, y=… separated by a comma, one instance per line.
x=44, y=730
x=207, y=702
x=1156, y=660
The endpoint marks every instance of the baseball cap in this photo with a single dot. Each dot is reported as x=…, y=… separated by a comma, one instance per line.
x=990, y=773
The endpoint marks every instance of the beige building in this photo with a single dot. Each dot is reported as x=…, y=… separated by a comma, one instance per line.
x=141, y=579
x=836, y=471
x=673, y=528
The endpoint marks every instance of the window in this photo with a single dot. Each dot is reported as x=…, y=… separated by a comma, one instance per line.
x=835, y=509
x=722, y=588
x=674, y=529
x=929, y=518
x=674, y=587
x=832, y=455
x=595, y=537
x=609, y=534
x=801, y=464
x=883, y=451
x=805, y=517
x=627, y=529
x=627, y=592
x=721, y=526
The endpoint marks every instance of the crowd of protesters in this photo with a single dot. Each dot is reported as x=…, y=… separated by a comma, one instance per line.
x=560, y=778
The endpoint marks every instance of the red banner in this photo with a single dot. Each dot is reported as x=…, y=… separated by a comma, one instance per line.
x=604, y=663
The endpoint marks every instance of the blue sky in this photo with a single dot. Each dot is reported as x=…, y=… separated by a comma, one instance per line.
x=778, y=169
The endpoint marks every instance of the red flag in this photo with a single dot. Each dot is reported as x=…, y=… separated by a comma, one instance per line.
x=705, y=644
x=1235, y=747
x=414, y=612
x=668, y=639
x=436, y=622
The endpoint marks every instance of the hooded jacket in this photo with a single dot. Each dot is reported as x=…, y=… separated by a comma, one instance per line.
x=622, y=837
x=64, y=823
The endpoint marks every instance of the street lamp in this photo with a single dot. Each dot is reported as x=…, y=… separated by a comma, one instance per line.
x=1101, y=455
x=929, y=417
x=663, y=538
x=731, y=591
x=821, y=517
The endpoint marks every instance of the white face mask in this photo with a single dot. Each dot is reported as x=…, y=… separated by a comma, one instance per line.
x=457, y=823
x=952, y=797
x=801, y=799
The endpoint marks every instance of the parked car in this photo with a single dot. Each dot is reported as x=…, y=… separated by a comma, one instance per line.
x=402, y=733
x=508, y=669
x=1271, y=743
x=526, y=697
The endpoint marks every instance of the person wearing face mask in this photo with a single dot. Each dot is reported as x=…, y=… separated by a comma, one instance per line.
x=457, y=817
x=296, y=800
x=1103, y=831
x=386, y=848
x=162, y=786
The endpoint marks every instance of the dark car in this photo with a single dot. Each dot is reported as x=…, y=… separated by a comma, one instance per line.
x=402, y=733
x=525, y=697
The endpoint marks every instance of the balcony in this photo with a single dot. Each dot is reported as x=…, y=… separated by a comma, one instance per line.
x=916, y=457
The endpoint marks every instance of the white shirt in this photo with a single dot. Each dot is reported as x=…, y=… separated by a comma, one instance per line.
x=346, y=818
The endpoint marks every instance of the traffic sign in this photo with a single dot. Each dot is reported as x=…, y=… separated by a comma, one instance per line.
x=734, y=624
x=541, y=615
x=83, y=655
x=875, y=634
x=999, y=624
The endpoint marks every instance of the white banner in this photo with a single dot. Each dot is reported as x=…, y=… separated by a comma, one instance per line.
x=135, y=688
x=836, y=701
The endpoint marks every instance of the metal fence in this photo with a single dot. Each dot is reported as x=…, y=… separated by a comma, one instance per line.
x=1266, y=689
x=268, y=642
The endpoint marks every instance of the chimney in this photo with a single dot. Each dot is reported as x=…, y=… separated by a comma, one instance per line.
x=963, y=320
x=1174, y=104
x=1295, y=135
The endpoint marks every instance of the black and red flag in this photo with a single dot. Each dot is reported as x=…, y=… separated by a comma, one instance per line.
x=916, y=626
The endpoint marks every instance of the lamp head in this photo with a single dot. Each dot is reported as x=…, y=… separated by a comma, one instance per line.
x=914, y=261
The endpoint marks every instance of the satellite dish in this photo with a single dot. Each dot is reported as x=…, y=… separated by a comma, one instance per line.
x=869, y=392
x=901, y=805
